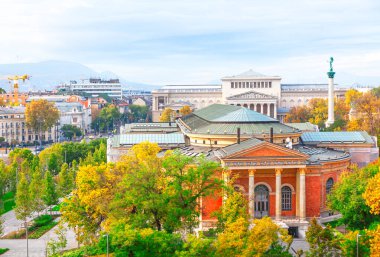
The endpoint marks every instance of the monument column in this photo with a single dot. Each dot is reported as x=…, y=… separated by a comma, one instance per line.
x=278, y=193
x=302, y=193
x=251, y=193
x=331, y=75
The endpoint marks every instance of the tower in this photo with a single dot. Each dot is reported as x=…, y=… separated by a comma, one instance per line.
x=331, y=75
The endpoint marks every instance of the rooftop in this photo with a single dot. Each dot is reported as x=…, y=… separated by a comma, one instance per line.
x=161, y=139
x=304, y=126
x=320, y=155
x=164, y=127
x=225, y=119
x=12, y=110
x=250, y=74
x=346, y=137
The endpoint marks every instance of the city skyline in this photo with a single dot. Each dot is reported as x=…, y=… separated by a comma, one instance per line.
x=193, y=42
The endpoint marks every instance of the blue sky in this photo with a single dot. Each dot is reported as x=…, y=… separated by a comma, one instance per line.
x=167, y=42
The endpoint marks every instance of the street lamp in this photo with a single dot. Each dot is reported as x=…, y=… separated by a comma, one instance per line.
x=357, y=244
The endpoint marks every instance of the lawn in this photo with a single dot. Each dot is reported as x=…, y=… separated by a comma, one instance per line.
x=8, y=200
x=3, y=250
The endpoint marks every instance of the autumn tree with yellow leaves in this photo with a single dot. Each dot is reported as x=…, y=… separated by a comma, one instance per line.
x=185, y=110
x=372, y=198
x=167, y=115
x=41, y=115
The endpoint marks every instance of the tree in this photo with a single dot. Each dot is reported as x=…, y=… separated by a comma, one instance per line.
x=164, y=193
x=371, y=196
x=49, y=196
x=298, y=114
x=263, y=239
x=167, y=115
x=70, y=131
x=368, y=105
x=23, y=200
x=236, y=206
x=322, y=241
x=35, y=192
x=346, y=197
x=41, y=115
x=185, y=110
x=55, y=246
x=136, y=113
x=65, y=182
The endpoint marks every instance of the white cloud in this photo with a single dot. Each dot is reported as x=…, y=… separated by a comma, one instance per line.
x=174, y=41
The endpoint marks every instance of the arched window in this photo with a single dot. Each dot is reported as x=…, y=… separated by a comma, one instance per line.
x=286, y=198
x=329, y=185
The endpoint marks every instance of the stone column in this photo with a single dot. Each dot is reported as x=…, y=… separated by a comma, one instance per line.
x=278, y=193
x=251, y=193
x=302, y=194
x=331, y=118
x=275, y=111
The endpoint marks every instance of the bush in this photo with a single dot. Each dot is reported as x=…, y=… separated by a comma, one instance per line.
x=40, y=231
x=42, y=220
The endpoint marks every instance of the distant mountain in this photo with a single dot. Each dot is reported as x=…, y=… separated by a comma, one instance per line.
x=49, y=74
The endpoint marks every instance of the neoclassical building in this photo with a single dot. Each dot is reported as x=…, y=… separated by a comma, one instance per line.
x=284, y=171
x=262, y=93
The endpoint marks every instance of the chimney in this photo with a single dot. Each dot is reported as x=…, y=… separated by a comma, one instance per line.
x=238, y=135
x=271, y=135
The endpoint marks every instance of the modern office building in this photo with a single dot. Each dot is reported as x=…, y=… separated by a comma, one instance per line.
x=94, y=87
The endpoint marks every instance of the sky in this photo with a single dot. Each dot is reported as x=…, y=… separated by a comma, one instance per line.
x=184, y=42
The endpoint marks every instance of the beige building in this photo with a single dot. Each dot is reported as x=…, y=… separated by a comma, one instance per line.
x=14, y=130
x=258, y=92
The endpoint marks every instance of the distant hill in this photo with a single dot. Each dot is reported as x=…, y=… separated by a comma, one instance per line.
x=49, y=74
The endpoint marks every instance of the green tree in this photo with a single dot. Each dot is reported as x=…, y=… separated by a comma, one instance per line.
x=322, y=241
x=49, y=196
x=108, y=118
x=136, y=113
x=70, y=131
x=347, y=197
x=35, y=192
x=41, y=115
x=57, y=245
x=65, y=181
x=53, y=163
x=23, y=200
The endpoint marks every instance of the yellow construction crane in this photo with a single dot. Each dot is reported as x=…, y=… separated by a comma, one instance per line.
x=15, y=79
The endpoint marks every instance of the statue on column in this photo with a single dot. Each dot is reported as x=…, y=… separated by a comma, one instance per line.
x=331, y=62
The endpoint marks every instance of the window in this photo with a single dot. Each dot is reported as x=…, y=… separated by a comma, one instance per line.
x=254, y=84
x=266, y=84
x=270, y=84
x=239, y=84
x=215, y=142
x=232, y=84
x=262, y=84
x=286, y=198
x=195, y=141
x=329, y=185
x=204, y=142
x=251, y=84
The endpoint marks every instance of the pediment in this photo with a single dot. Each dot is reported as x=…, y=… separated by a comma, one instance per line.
x=251, y=95
x=269, y=151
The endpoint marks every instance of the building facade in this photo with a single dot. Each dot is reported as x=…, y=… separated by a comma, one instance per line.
x=94, y=87
x=285, y=171
x=258, y=92
x=14, y=130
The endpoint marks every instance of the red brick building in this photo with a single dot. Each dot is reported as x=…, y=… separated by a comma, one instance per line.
x=281, y=176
